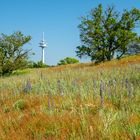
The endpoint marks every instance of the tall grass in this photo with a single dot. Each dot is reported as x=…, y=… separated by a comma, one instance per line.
x=73, y=102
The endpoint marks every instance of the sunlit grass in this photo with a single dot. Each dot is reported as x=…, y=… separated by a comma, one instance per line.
x=65, y=102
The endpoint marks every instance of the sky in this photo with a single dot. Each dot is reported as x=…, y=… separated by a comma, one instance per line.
x=58, y=19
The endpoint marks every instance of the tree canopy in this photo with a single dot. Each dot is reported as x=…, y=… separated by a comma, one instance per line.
x=68, y=60
x=105, y=33
x=133, y=48
x=12, y=54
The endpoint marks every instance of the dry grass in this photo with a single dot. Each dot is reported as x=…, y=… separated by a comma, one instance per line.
x=71, y=108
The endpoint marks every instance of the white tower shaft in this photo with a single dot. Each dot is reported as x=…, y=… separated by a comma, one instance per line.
x=43, y=57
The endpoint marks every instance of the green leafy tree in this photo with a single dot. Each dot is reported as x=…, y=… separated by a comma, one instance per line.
x=68, y=60
x=39, y=64
x=133, y=48
x=12, y=54
x=105, y=33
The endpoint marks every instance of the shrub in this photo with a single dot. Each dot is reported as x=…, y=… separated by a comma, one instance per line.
x=39, y=64
x=68, y=60
x=20, y=104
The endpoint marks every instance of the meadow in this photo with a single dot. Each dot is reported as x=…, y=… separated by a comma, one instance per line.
x=72, y=102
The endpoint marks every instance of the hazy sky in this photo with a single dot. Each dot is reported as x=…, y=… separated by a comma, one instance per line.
x=57, y=18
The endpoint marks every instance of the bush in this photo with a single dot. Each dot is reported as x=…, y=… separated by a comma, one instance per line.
x=20, y=104
x=39, y=64
x=68, y=60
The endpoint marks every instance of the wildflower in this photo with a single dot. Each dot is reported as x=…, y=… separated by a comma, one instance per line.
x=28, y=87
x=60, y=88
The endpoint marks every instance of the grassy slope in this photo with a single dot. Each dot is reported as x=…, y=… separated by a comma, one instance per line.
x=65, y=103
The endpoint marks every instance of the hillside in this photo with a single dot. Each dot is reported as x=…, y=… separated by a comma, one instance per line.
x=80, y=102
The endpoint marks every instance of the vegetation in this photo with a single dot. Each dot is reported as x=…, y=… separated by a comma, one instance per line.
x=133, y=48
x=39, y=64
x=19, y=105
x=68, y=60
x=107, y=33
x=12, y=55
x=79, y=101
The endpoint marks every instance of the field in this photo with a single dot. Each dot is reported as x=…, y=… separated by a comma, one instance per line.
x=73, y=102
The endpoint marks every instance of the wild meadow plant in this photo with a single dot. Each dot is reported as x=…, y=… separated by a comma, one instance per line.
x=73, y=102
x=27, y=87
x=101, y=93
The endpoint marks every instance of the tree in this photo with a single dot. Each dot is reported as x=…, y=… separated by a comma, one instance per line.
x=105, y=33
x=12, y=55
x=68, y=60
x=39, y=64
x=133, y=48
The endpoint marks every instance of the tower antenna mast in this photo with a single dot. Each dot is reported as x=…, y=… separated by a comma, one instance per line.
x=43, y=45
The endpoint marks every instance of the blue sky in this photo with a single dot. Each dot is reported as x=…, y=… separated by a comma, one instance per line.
x=57, y=18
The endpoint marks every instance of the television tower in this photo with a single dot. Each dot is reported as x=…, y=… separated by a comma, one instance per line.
x=43, y=45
